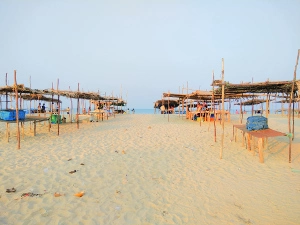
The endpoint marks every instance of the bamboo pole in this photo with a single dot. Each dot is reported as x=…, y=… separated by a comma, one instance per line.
x=7, y=132
x=6, y=94
x=223, y=93
x=267, y=106
x=291, y=135
x=293, y=126
x=77, y=115
x=30, y=99
x=241, y=118
x=51, y=108
x=30, y=103
x=298, y=109
x=282, y=108
x=70, y=113
x=178, y=102
x=58, y=111
x=187, y=92
x=213, y=105
x=168, y=106
x=17, y=109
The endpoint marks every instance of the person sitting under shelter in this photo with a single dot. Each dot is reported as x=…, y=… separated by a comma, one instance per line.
x=39, y=108
x=43, y=108
x=162, y=109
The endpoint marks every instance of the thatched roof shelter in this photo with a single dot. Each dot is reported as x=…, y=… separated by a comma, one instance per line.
x=251, y=102
x=21, y=89
x=69, y=94
x=261, y=87
x=40, y=97
x=166, y=103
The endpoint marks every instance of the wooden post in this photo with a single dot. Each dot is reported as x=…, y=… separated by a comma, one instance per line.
x=34, y=128
x=241, y=111
x=58, y=104
x=168, y=106
x=223, y=93
x=7, y=132
x=213, y=105
x=282, y=108
x=267, y=106
x=51, y=107
x=252, y=107
x=77, y=115
x=6, y=94
x=298, y=108
x=30, y=99
x=293, y=126
x=22, y=127
x=71, y=108
x=178, y=102
x=260, y=150
x=17, y=109
x=291, y=135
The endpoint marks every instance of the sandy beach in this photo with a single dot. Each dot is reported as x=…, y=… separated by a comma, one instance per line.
x=142, y=169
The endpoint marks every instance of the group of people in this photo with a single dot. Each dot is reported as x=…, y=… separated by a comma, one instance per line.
x=41, y=109
x=163, y=110
x=201, y=106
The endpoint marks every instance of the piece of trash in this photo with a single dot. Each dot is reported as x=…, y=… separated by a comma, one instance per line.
x=123, y=152
x=191, y=148
x=116, y=151
x=79, y=194
x=30, y=194
x=295, y=170
x=69, y=159
x=73, y=171
x=57, y=194
x=11, y=190
x=118, y=208
x=82, y=164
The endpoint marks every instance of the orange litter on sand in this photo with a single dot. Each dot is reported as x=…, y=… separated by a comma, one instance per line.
x=57, y=194
x=79, y=194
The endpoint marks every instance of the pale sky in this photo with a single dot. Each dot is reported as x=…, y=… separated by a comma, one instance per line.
x=142, y=48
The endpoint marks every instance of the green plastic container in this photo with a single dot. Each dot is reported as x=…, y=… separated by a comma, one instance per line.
x=55, y=119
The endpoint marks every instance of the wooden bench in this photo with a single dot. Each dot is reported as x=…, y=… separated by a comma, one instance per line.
x=261, y=135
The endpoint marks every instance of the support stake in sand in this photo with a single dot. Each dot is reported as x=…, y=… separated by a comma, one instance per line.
x=291, y=137
x=223, y=113
x=17, y=109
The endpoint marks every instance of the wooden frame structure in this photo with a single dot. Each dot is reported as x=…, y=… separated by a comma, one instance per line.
x=19, y=91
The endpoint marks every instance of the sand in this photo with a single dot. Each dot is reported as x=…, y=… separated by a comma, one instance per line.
x=142, y=169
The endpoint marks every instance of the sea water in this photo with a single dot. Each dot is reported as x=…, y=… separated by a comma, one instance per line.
x=143, y=111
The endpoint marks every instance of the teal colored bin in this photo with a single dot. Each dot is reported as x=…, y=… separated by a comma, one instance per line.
x=55, y=118
x=10, y=114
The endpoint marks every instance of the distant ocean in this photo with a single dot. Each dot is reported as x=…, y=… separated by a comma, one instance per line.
x=143, y=111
